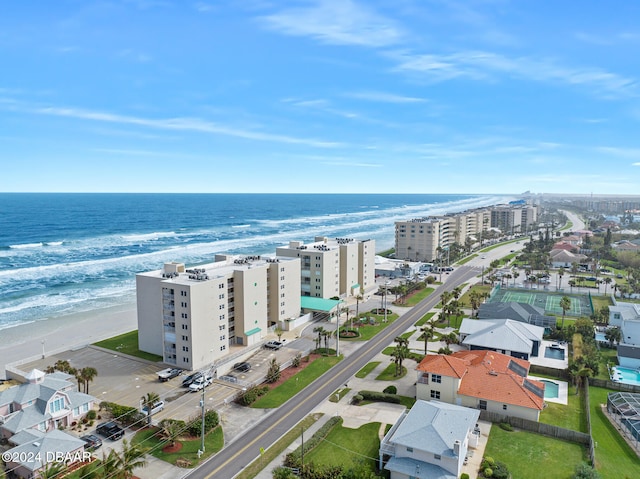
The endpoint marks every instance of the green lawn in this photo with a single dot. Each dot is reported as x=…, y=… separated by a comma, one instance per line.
x=607, y=356
x=127, y=344
x=423, y=320
x=419, y=296
x=280, y=394
x=602, y=301
x=348, y=447
x=570, y=416
x=368, y=331
x=214, y=441
x=614, y=458
x=481, y=288
x=364, y=372
x=466, y=259
x=389, y=373
x=339, y=394
x=532, y=456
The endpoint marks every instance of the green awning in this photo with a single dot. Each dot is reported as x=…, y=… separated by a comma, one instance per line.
x=318, y=304
x=253, y=331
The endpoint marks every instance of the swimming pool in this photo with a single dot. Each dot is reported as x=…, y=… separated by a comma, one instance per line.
x=553, y=353
x=550, y=389
x=625, y=375
x=600, y=337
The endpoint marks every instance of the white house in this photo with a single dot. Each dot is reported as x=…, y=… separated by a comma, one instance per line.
x=430, y=441
x=506, y=336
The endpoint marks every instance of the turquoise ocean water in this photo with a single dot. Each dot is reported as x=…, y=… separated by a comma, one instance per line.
x=68, y=253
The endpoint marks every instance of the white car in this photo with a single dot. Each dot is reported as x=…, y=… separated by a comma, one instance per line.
x=200, y=383
x=157, y=407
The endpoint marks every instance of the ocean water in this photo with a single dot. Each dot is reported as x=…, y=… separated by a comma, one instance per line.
x=68, y=253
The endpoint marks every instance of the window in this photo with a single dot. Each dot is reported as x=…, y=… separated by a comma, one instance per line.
x=183, y=304
x=185, y=338
x=435, y=394
x=504, y=407
x=221, y=296
x=185, y=348
x=223, y=337
x=76, y=411
x=185, y=326
x=221, y=317
x=482, y=404
x=436, y=378
x=221, y=306
x=221, y=285
x=222, y=327
x=409, y=449
x=437, y=456
x=223, y=347
x=56, y=405
x=185, y=360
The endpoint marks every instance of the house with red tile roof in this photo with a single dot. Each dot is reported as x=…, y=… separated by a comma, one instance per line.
x=481, y=380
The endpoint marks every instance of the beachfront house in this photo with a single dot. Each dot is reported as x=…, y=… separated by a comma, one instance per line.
x=626, y=316
x=430, y=440
x=484, y=380
x=35, y=450
x=45, y=403
x=506, y=336
x=522, y=312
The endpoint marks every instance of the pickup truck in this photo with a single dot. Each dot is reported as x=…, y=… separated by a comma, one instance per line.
x=169, y=373
x=110, y=430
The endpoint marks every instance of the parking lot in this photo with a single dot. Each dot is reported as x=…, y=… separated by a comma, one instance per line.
x=125, y=380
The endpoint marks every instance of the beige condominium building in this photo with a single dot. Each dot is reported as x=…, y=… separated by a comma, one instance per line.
x=333, y=267
x=193, y=316
x=419, y=239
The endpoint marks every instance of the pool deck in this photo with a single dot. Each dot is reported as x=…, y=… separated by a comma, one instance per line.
x=549, y=362
x=563, y=390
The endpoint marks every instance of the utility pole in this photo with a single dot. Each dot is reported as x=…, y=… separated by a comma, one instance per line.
x=202, y=429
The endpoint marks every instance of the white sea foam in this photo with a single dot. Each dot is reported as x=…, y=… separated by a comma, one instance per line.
x=26, y=246
x=149, y=236
x=241, y=226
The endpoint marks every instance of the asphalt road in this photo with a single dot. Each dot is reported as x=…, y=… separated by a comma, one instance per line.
x=244, y=449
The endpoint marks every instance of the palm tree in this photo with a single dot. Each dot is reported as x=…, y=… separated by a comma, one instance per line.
x=572, y=283
x=400, y=353
x=320, y=331
x=565, y=304
x=131, y=458
x=607, y=282
x=148, y=402
x=87, y=374
x=451, y=338
x=454, y=310
x=279, y=332
x=110, y=464
x=428, y=332
x=170, y=430
x=52, y=470
x=613, y=334
x=560, y=275
x=359, y=298
x=475, y=300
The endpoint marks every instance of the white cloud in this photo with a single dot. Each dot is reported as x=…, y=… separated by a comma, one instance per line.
x=184, y=124
x=336, y=22
x=384, y=97
x=487, y=65
x=630, y=153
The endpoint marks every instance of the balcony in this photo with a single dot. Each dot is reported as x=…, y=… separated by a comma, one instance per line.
x=169, y=329
x=423, y=379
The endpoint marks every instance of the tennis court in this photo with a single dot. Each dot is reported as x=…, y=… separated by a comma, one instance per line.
x=550, y=302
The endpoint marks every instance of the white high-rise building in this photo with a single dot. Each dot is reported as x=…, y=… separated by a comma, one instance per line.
x=336, y=267
x=192, y=317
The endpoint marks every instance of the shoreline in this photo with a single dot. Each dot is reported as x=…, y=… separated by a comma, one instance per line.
x=64, y=333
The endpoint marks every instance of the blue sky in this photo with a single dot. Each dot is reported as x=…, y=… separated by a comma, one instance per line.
x=392, y=96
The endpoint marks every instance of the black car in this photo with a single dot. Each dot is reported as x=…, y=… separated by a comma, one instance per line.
x=186, y=382
x=92, y=442
x=110, y=430
x=242, y=367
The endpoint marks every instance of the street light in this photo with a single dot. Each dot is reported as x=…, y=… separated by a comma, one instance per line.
x=42, y=348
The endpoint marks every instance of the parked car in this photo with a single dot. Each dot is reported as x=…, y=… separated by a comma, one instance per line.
x=186, y=382
x=200, y=383
x=273, y=345
x=110, y=430
x=169, y=373
x=230, y=378
x=91, y=442
x=242, y=367
x=157, y=407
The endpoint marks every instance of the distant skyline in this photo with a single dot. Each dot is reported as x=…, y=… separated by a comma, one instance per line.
x=333, y=96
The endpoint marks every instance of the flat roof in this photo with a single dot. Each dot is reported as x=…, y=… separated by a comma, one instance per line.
x=318, y=304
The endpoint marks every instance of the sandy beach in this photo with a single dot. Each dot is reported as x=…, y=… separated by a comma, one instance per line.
x=64, y=333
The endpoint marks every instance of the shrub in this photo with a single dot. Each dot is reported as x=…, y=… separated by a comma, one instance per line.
x=273, y=374
x=295, y=362
x=585, y=471
x=125, y=414
x=250, y=396
x=379, y=397
x=464, y=475
x=488, y=472
x=390, y=390
x=92, y=415
x=506, y=426
x=356, y=399
x=210, y=421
